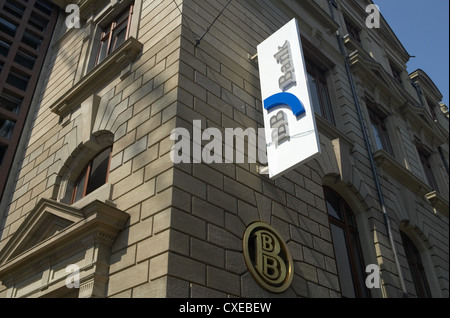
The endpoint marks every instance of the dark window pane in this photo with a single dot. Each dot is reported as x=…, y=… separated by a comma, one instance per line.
x=14, y=8
x=396, y=73
x=6, y=128
x=333, y=205
x=25, y=59
x=320, y=97
x=8, y=27
x=377, y=135
x=426, y=164
x=350, y=218
x=353, y=31
x=79, y=190
x=32, y=40
x=103, y=51
x=343, y=262
x=378, y=124
x=38, y=22
x=346, y=245
x=2, y=153
x=99, y=171
x=10, y=102
x=118, y=37
x=4, y=48
x=18, y=80
x=44, y=7
x=359, y=268
x=326, y=105
x=416, y=267
x=114, y=34
x=314, y=94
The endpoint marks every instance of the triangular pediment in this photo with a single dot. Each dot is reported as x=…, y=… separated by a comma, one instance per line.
x=46, y=220
x=424, y=115
x=373, y=74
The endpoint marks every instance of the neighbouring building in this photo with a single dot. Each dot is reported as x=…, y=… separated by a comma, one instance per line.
x=97, y=208
x=26, y=29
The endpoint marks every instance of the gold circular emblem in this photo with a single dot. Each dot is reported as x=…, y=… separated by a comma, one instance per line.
x=267, y=257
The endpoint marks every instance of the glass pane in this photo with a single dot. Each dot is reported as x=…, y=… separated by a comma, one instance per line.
x=314, y=94
x=343, y=262
x=99, y=171
x=333, y=205
x=25, y=59
x=10, y=103
x=4, y=48
x=32, y=40
x=416, y=267
x=349, y=216
x=79, y=190
x=44, y=7
x=358, y=263
x=8, y=27
x=14, y=8
x=6, y=128
x=326, y=106
x=425, y=290
x=17, y=80
x=2, y=153
x=38, y=22
x=118, y=37
x=377, y=135
x=103, y=50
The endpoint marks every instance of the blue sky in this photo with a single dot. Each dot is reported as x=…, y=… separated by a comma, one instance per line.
x=423, y=28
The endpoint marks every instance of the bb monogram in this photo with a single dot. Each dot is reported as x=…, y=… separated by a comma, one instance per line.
x=267, y=257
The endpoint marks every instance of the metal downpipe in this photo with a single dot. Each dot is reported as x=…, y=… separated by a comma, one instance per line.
x=332, y=4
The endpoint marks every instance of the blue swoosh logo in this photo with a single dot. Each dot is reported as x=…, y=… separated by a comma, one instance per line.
x=285, y=99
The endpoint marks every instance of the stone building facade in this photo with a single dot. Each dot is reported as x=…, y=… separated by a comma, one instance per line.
x=98, y=197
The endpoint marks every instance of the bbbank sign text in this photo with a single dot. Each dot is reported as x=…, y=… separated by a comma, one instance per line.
x=289, y=119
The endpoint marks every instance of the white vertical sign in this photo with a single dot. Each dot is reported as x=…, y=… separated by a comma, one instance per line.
x=290, y=126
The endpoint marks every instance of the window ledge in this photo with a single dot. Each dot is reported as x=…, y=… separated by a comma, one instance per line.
x=400, y=173
x=97, y=77
x=373, y=72
x=331, y=131
x=102, y=194
x=351, y=44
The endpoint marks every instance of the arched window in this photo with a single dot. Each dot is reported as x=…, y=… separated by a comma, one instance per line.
x=416, y=267
x=346, y=245
x=93, y=176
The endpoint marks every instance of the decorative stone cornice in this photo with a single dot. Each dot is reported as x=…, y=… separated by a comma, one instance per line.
x=332, y=132
x=98, y=77
x=314, y=9
x=373, y=72
x=82, y=237
x=438, y=202
x=419, y=76
x=420, y=120
x=400, y=173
